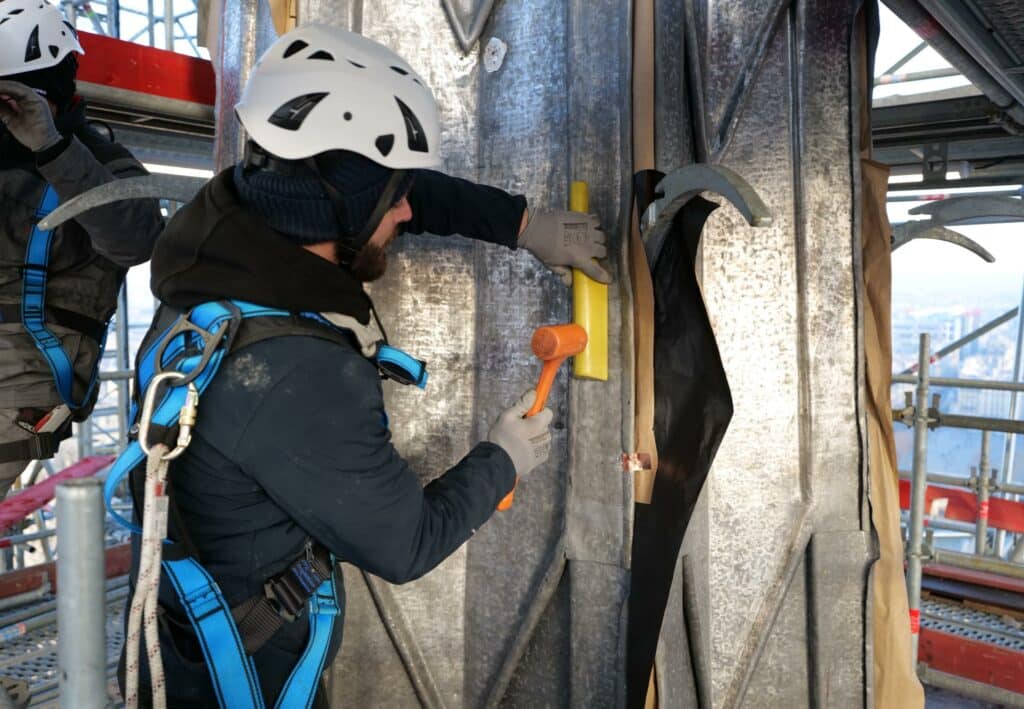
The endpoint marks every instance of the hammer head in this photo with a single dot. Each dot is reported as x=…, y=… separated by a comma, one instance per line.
x=559, y=341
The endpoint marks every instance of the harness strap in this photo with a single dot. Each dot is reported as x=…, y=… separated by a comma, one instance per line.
x=33, y=309
x=90, y=327
x=232, y=672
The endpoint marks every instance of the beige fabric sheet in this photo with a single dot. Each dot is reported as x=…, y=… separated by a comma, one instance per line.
x=895, y=683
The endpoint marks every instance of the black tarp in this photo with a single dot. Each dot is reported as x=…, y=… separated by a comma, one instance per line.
x=693, y=407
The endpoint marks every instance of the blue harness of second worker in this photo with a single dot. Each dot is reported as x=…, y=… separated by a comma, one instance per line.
x=195, y=345
x=33, y=308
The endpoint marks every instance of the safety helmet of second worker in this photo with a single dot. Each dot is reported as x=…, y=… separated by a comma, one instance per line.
x=38, y=48
x=338, y=124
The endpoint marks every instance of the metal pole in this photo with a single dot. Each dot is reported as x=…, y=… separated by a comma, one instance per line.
x=919, y=485
x=969, y=337
x=970, y=561
x=906, y=58
x=981, y=534
x=915, y=76
x=81, y=602
x=114, y=18
x=169, y=24
x=982, y=424
x=961, y=383
x=1006, y=474
x=151, y=20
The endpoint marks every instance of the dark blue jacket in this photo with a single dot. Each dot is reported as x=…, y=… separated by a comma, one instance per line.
x=292, y=440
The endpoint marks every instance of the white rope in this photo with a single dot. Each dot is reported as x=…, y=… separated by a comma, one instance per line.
x=142, y=617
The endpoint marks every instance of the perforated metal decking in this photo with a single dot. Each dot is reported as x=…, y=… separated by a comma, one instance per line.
x=974, y=644
x=32, y=657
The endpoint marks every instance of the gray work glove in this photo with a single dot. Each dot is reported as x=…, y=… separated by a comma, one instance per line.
x=27, y=116
x=527, y=441
x=564, y=240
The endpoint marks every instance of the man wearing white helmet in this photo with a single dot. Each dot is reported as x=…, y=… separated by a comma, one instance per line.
x=57, y=289
x=291, y=465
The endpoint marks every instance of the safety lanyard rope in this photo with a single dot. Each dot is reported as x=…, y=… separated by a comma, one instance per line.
x=33, y=309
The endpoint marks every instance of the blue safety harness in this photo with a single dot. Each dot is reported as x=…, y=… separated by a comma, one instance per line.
x=33, y=308
x=195, y=345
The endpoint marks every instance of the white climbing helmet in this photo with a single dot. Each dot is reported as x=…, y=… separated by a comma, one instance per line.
x=321, y=88
x=33, y=35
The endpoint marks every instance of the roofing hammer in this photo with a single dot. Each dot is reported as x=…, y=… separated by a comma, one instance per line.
x=552, y=344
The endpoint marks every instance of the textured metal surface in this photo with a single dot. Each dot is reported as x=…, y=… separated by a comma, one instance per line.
x=246, y=30
x=903, y=234
x=777, y=110
x=468, y=18
x=959, y=209
x=550, y=574
x=680, y=186
x=530, y=612
x=1006, y=18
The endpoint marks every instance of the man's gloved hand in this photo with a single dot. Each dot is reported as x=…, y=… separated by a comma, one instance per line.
x=27, y=116
x=564, y=240
x=527, y=441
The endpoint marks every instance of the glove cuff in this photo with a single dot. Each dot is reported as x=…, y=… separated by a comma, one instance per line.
x=52, y=152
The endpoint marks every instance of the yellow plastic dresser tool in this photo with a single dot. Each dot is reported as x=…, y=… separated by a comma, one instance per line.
x=589, y=306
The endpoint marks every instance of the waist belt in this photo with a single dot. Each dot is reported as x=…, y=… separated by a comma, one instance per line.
x=33, y=310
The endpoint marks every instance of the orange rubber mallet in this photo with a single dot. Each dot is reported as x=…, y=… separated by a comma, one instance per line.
x=552, y=344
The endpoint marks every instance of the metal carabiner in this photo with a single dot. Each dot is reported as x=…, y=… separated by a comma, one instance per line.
x=186, y=419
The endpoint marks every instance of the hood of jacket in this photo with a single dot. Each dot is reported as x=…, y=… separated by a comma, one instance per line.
x=214, y=249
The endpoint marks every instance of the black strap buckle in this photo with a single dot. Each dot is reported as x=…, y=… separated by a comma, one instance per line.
x=289, y=591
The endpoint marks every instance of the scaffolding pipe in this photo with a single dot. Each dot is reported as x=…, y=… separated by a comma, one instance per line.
x=1009, y=453
x=974, y=334
x=81, y=599
x=969, y=688
x=906, y=77
x=976, y=563
x=961, y=383
x=982, y=424
x=919, y=486
x=981, y=534
x=169, y=24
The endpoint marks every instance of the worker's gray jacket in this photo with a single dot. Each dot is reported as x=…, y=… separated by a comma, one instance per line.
x=88, y=259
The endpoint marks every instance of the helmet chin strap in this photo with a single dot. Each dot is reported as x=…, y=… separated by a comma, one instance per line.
x=256, y=158
x=348, y=251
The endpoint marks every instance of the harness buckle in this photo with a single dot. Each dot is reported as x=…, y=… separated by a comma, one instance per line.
x=187, y=417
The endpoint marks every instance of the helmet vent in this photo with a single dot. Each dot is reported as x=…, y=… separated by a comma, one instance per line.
x=385, y=143
x=296, y=46
x=71, y=27
x=54, y=50
x=4, y=20
x=32, y=51
x=399, y=70
x=413, y=129
x=16, y=12
x=292, y=114
x=321, y=54
x=357, y=65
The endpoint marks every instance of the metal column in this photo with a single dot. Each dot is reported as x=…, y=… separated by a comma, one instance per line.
x=919, y=486
x=81, y=602
x=981, y=534
x=1006, y=473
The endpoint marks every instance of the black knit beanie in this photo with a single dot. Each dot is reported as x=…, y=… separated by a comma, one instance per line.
x=57, y=82
x=295, y=203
